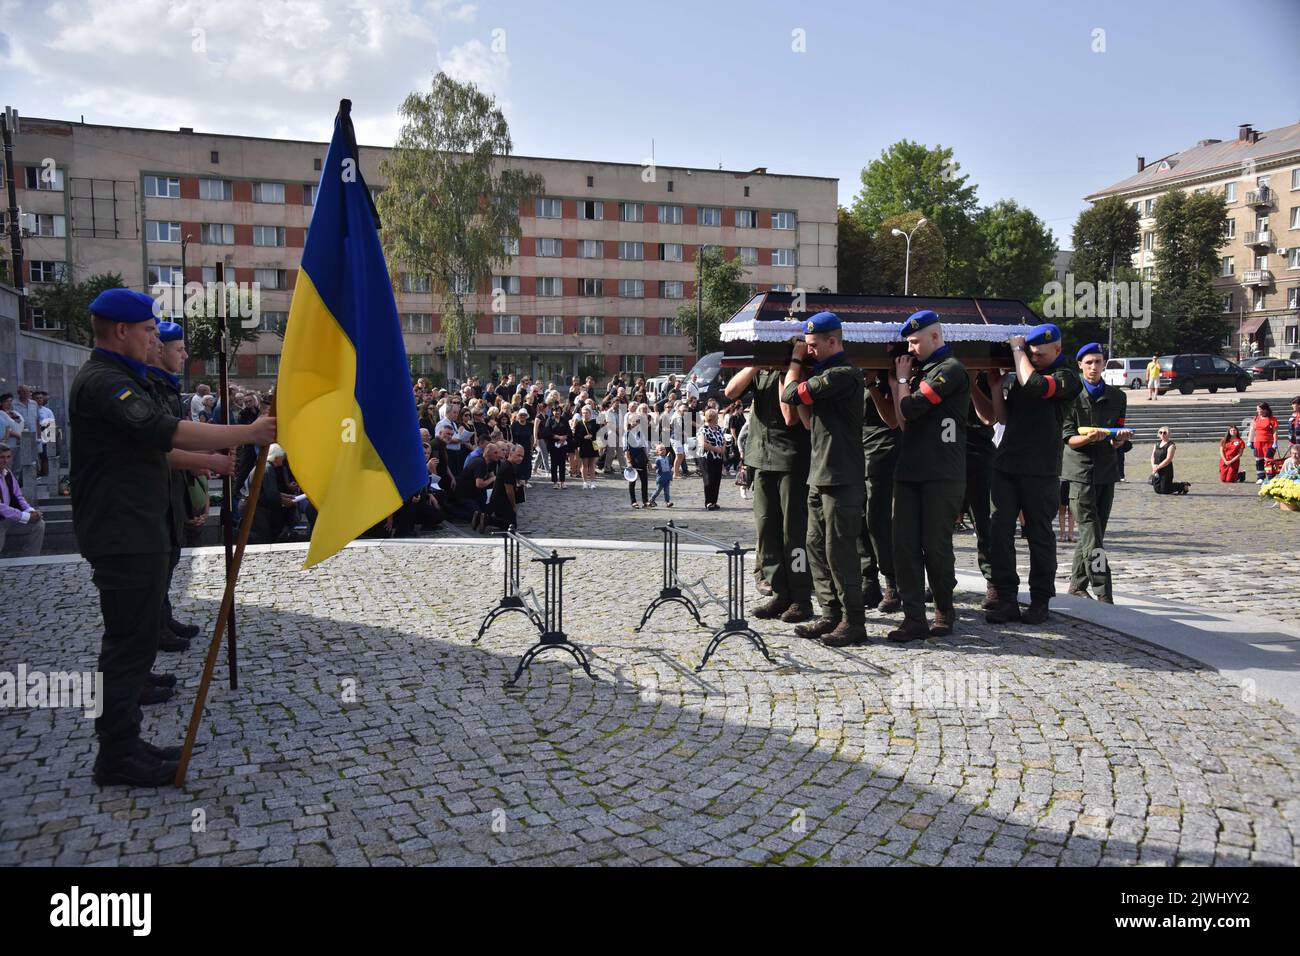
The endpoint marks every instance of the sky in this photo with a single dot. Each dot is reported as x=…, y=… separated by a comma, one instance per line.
x=1042, y=102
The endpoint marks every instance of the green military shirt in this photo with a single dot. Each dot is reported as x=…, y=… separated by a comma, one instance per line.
x=1093, y=464
x=773, y=445
x=879, y=441
x=933, y=445
x=1031, y=444
x=833, y=395
x=979, y=437
x=121, y=485
x=169, y=398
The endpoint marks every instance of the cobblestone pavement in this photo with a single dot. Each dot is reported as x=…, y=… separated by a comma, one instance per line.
x=1220, y=545
x=1090, y=748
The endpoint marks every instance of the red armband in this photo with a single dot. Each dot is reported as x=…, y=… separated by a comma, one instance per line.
x=1049, y=386
x=931, y=396
x=805, y=396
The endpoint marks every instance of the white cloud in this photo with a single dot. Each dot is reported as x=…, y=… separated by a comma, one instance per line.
x=474, y=62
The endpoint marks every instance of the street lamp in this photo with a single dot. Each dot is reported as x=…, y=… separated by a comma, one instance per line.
x=907, y=263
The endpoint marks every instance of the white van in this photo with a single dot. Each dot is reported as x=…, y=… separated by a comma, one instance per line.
x=1126, y=372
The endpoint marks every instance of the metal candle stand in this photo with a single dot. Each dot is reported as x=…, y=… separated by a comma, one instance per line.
x=551, y=624
x=672, y=589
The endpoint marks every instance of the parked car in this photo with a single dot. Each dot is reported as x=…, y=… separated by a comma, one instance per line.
x=1270, y=369
x=1126, y=372
x=709, y=374
x=1190, y=371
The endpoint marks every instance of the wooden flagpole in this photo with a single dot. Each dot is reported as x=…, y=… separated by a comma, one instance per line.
x=227, y=607
x=227, y=481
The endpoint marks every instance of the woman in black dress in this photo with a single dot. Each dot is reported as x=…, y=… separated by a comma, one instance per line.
x=1162, y=467
x=521, y=433
x=559, y=439
x=585, y=434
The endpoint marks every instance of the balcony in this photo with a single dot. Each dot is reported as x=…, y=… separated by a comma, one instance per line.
x=1256, y=277
x=1263, y=196
x=1261, y=237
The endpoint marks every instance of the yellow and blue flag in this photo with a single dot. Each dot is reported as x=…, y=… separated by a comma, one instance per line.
x=343, y=398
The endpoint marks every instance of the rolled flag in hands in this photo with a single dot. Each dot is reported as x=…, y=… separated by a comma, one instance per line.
x=1113, y=432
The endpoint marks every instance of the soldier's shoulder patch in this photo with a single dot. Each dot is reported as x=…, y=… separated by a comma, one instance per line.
x=123, y=394
x=940, y=379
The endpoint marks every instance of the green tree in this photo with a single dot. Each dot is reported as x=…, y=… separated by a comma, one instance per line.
x=724, y=291
x=1015, y=253
x=911, y=176
x=1105, y=237
x=452, y=199
x=856, y=264
x=243, y=324
x=1189, y=232
x=68, y=303
x=890, y=268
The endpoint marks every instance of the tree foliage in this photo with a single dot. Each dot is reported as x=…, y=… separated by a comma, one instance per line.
x=1105, y=237
x=1189, y=232
x=1015, y=253
x=68, y=303
x=724, y=291
x=891, y=271
x=452, y=197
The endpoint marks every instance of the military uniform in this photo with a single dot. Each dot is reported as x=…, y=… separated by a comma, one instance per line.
x=876, y=543
x=1027, y=477
x=929, y=483
x=833, y=396
x=121, y=489
x=780, y=455
x=979, y=469
x=1092, y=472
x=168, y=395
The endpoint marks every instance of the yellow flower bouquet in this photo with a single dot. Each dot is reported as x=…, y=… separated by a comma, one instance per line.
x=1285, y=491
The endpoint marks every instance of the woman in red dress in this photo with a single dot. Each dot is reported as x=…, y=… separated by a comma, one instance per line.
x=1230, y=451
x=1263, y=437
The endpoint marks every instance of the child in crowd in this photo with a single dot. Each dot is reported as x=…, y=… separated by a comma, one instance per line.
x=663, y=476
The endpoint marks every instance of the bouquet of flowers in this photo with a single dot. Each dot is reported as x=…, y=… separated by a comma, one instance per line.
x=1285, y=491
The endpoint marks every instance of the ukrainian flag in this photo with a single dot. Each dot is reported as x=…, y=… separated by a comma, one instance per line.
x=343, y=398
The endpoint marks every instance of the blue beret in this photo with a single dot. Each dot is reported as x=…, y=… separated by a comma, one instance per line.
x=1044, y=334
x=170, y=331
x=918, y=321
x=123, y=305
x=1089, y=349
x=823, y=322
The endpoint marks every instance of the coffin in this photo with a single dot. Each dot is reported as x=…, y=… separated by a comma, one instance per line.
x=976, y=329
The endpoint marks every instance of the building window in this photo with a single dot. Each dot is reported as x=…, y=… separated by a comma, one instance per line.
x=49, y=178
x=162, y=231
x=419, y=322
x=505, y=324
x=412, y=283
x=591, y=249
x=668, y=326
x=591, y=208
x=1227, y=303
x=509, y=246
x=783, y=220
x=271, y=278
x=48, y=270
x=668, y=364
x=309, y=195
x=268, y=365
x=631, y=364
x=748, y=255
x=631, y=288
x=631, y=325
x=671, y=289
x=421, y=363
x=273, y=322
x=631, y=212
x=670, y=251
x=550, y=285
x=210, y=274
x=591, y=325
x=1229, y=267
x=1148, y=241
x=550, y=325
x=591, y=181
x=461, y=285
x=782, y=257
x=1149, y=273
x=217, y=190
x=670, y=215
x=268, y=235
x=780, y=287
x=1259, y=301
x=1150, y=208
x=1230, y=193
x=164, y=275
x=670, y=185
x=1261, y=262
x=548, y=208
x=217, y=233
x=548, y=248
x=631, y=250
x=1292, y=332
x=1230, y=229
x=1293, y=302
x=509, y=285
x=746, y=218
x=710, y=216
x=45, y=224
x=1295, y=178
x=162, y=187
x=591, y=287
x=41, y=323
x=210, y=367
x=1295, y=217
x=1293, y=258
x=268, y=192
x=214, y=157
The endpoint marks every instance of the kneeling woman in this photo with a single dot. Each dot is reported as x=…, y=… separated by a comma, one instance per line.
x=1162, y=467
